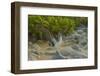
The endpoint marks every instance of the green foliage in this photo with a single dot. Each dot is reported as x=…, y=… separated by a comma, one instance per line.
x=54, y=24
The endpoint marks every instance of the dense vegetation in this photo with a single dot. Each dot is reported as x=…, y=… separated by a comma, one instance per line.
x=38, y=26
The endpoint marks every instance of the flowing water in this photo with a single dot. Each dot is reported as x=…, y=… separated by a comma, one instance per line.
x=73, y=46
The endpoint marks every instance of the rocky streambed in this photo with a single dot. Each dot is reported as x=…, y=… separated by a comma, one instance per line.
x=73, y=46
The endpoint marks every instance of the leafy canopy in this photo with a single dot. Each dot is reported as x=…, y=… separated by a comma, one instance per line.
x=54, y=24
